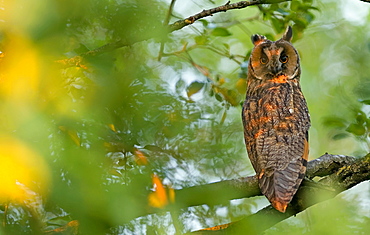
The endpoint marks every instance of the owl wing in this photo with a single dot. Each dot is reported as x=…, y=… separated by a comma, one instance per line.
x=275, y=129
x=283, y=172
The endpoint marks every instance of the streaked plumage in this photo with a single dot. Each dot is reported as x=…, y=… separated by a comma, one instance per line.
x=276, y=119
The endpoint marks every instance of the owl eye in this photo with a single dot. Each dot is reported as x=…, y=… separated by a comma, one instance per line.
x=264, y=60
x=283, y=59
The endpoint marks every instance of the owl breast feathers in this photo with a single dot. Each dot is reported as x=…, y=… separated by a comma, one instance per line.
x=276, y=119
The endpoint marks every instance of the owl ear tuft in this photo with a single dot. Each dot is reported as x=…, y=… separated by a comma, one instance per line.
x=288, y=35
x=258, y=39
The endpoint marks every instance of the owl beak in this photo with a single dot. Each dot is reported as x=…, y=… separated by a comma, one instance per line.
x=276, y=68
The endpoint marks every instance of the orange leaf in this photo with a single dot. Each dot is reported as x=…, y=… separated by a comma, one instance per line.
x=204, y=70
x=140, y=157
x=158, y=198
x=218, y=227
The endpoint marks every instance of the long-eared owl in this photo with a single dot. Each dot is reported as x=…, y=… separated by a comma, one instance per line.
x=276, y=119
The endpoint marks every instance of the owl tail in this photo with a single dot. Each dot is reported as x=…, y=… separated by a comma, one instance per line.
x=282, y=185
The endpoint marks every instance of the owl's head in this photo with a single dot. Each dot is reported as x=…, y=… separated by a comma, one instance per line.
x=270, y=60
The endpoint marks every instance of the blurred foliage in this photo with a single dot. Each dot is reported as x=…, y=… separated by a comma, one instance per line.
x=298, y=13
x=106, y=143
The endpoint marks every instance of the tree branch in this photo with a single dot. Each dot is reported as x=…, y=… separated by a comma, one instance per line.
x=344, y=173
x=248, y=186
x=78, y=61
x=338, y=173
x=222, y=192
x=238, y=5
x=327, y=164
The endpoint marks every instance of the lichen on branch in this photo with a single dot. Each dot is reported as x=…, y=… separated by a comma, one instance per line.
x=338, y=172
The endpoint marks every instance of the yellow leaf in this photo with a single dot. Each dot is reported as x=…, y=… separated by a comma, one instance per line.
x=72, y=134
x=24, y=173
x=20, y=70
x=241, y=85
x=107, y=144
x=115, y=172
x=221, y=81
x=112, y=127
x=231, y=96
x=171, y=194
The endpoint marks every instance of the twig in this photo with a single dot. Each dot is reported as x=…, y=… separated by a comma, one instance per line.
x=165, y=23
x=70, y=228
x=79, y=60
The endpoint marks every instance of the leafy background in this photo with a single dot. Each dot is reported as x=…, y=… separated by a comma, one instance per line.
x=97, y=135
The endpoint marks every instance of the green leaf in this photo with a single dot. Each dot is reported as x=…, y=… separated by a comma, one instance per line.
x=335, y=122
x=356, y=129
x=313, y=8
x=231, y=96
x=58, y=220
x=201, y=40
x=219, y=97
x=226, y=45
x=367, y=124
x=300, y=22
x=283, y=11
x=367, y=102
x=223, y=116
x=194, y=87
x=153, y=148
x=269, y=36
x=339, y=136
x=222, y=32
x=277, y=24
x=180, y=85
x=361, y=117
x=295, y=5
x=309, y=17
x=204, y=22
